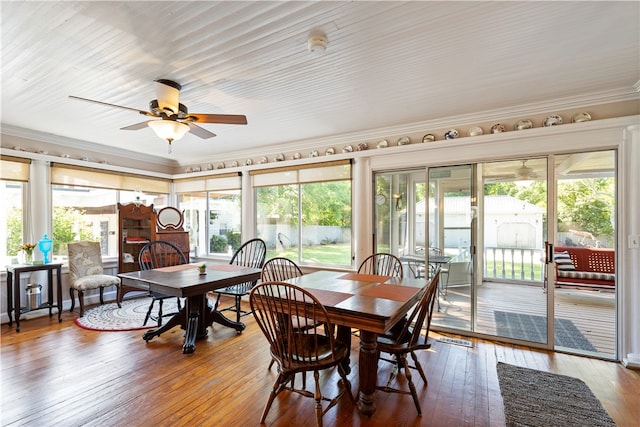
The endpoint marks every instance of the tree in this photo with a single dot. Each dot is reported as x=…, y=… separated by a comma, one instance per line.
x=14, y=231
x=69, y=224
x=587, y=205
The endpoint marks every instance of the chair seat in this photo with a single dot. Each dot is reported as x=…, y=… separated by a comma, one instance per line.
x=236, y=290
x=390, y=343
x=312, y=345
x=95, y=281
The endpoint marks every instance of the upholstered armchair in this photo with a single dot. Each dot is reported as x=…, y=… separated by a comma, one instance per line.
x=86, y=272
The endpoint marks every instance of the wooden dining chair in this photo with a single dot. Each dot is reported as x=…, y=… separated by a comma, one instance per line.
x=404, y=340
x=303, y=347
x=157, y=254
x=383, y=264
x=252, y=253
x=277, y=270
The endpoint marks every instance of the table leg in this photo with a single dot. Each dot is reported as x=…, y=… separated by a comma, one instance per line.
x=10, y=296
x=16, y=301
x=59, y=292
x=190, y=340
x=368, y=372
x=178, y=319
x=213, y=315
x=50, y=291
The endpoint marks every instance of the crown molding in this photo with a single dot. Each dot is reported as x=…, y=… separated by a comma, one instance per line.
x=64, y=141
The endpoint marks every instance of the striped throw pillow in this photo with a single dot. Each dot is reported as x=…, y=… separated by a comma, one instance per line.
x=563, y=261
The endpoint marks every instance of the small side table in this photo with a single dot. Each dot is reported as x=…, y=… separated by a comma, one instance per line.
x=13, y=290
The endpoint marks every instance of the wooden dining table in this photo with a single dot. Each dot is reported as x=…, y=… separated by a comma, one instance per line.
x=186, y=281
x=371, y=303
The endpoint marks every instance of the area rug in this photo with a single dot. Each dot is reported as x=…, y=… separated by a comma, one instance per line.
x=534, y=328
x=109, y=317
x=535, y=398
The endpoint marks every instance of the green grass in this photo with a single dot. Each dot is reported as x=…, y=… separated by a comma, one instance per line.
x=336, y=255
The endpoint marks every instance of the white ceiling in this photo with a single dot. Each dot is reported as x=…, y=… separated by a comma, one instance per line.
x=387, y=64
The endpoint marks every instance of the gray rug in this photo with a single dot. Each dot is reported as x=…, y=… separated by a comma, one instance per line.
x=534, y=328
x=535, y=398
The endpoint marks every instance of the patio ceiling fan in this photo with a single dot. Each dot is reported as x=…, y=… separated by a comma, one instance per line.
x=171, y=119
x=523, y=172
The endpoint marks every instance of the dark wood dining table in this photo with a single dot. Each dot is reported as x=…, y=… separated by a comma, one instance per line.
x=371, y=303
x=186, y=281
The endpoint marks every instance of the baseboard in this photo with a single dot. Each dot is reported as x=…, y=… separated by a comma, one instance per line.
x=109, y=296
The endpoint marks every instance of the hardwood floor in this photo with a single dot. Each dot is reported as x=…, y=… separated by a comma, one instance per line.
x=57, y=374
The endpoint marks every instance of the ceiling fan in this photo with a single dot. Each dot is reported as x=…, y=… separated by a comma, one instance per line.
x=174, y=119
x=523, y=172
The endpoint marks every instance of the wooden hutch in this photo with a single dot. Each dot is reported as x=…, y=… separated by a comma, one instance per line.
x=139, y=224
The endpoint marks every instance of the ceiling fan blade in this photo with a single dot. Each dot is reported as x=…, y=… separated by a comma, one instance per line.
x=137, y=126
x=229, y=119
x=146, y=113
x=168, y=95
x=200, y=132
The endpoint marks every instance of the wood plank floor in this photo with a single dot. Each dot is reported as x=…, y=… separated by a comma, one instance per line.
x=57, y=374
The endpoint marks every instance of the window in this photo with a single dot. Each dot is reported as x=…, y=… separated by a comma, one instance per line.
x=304, y=213
x=85, y=200
x=14, y=174
x=212, y=213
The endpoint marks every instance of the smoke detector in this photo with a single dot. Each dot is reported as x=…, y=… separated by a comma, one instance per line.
x=317, y=44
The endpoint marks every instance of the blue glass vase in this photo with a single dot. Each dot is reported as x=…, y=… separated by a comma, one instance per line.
x=45, y=246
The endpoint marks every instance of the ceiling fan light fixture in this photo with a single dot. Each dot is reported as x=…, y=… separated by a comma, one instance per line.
x=169, y=130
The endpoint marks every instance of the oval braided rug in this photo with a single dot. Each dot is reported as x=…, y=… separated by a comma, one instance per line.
x=109, y=317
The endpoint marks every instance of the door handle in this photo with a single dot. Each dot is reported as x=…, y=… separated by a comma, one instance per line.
x=548, y=247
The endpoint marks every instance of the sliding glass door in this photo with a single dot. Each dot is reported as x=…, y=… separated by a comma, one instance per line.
x=513, y=212
x=491, y=227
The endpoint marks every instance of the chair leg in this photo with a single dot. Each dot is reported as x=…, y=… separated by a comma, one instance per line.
x=346, y=383
x=119, y=295
x=73, y=300
x=412, y=386
x=238, y=310
x=318, y=397
x=101, y=295
x=419, y=368
x=272, y=396
x=160, y=313
x=146, y=318
x=81, y=299
x=179, y=304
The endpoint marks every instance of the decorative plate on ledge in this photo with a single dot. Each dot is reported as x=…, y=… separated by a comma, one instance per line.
x=347, y=149
x=475, y=131
x=581, y=117
x=451, y=134
x=403, y=140
x=523, y=124
x=553, y=120
x=498, y=128
x=429, y=138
